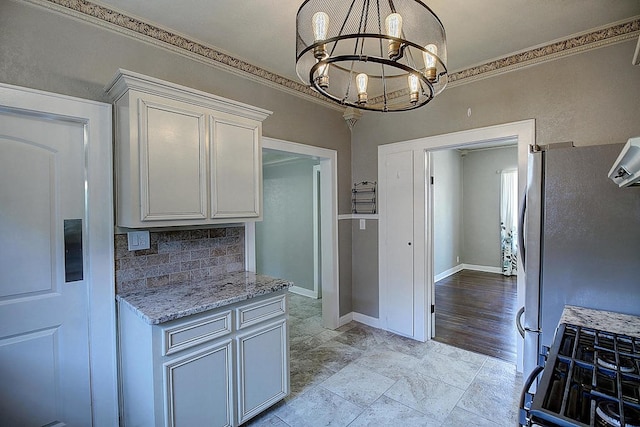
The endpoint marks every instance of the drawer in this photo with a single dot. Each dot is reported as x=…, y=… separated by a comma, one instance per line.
x=190, y=334
x=252, y=314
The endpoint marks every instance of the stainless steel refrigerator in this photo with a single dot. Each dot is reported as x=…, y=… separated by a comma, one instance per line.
x=581, y=240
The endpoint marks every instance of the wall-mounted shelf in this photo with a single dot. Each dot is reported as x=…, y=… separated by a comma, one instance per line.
x=364, y=198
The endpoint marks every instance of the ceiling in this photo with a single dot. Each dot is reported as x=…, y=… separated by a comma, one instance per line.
x=262, y=32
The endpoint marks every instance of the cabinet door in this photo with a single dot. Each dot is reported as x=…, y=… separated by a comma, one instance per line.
x=263, y=368
x=173, y=175
x=198, y=388
x=236, y=165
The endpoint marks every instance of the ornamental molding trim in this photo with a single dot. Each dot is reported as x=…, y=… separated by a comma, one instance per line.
x=616, y=33
x=116, y=21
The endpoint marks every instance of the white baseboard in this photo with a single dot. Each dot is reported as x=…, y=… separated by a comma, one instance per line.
x=345, y=319
x=360, y=318
x=449, y=272
x=485, y=268
x=367, y=320
x=303, y=291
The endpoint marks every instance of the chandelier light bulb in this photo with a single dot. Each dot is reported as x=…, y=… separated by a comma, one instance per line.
x=361, y=84
x=414, y=88
x=320, y=26
x=393, y=26
x=430, y=61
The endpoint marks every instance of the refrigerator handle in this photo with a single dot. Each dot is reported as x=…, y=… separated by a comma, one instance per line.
x=518, y=322
x=521, y=248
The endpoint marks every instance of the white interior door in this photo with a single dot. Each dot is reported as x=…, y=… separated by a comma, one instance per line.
x=399, y=247
x=44, y=333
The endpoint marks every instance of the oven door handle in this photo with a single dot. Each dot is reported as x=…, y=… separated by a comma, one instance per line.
x=524, y=412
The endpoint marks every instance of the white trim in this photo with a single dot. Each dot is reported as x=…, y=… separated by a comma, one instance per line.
x=316, y=229
x=361, y=318
x=345, y=319
x=484, y=268
x=309, y=293
x=367, y=320
x=458, y=268
x=96, y=117
x=357, y=216
x=449, y=272
x=523, y=131
x=329, y=223
x=250, y=246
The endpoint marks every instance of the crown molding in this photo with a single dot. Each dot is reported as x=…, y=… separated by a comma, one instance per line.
x=614, y=33
x=133, y=27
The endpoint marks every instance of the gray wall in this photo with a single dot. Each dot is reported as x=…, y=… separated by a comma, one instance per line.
x=284, y=239
x=590, y=98
x=481, y=202
x=364, y=269
x=447, y=209
x=47, y=51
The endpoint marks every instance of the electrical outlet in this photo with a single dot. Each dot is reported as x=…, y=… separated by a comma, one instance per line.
x=458, y=259
x=138, y=240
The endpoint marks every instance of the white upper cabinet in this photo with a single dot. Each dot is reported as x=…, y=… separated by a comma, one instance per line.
x=184, y=157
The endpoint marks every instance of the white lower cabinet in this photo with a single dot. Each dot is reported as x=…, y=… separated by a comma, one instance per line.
x=218, y=368
x=198, y=388
x=263, y=362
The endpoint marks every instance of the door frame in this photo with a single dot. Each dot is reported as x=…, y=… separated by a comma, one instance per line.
x=523, y=131
x=96, y=119
x=328, y=222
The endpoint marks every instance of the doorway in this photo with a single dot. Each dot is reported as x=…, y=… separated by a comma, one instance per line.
x=422, y=206
x=474, y=253
x=325, y=161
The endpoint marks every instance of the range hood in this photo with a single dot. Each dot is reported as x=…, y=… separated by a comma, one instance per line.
x=626, y=169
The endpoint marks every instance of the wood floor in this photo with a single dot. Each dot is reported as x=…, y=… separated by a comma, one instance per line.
x=475, y=311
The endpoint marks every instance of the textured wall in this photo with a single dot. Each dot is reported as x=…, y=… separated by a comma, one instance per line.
x=364, y=270
x=45, y=50
x=590, y=98
x=481, y=204
x=447, y=210
x=284, y=239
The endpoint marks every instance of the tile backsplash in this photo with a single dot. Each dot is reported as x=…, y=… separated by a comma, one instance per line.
x=176, y=256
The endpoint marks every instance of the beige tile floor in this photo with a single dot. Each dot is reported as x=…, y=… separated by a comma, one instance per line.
x=362, y=376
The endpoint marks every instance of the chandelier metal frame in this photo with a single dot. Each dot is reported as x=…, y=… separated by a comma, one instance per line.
x=353, y=43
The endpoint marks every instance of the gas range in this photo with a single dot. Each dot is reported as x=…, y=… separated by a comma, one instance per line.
x=591, y=378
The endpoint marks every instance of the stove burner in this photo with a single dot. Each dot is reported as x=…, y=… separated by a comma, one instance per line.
x=608, y=415
x=608, y=360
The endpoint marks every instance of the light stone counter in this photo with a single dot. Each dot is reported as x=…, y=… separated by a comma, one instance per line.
x=173, y=301
x=609, y=321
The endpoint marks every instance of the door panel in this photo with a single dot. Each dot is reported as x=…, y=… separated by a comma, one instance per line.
x=44, y=356
x=399, y=243
x=235, y=183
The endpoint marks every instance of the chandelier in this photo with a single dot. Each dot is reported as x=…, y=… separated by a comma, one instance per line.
x=379, y=55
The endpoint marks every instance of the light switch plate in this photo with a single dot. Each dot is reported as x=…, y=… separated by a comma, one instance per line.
x=138, y=240
x=363, y=224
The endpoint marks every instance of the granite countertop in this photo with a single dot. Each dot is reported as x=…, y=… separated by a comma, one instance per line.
x=169, y=302
x=617, y=323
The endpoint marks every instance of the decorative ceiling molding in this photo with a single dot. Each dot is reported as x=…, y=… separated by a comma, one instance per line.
x=133, y=27
x=594, y=39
